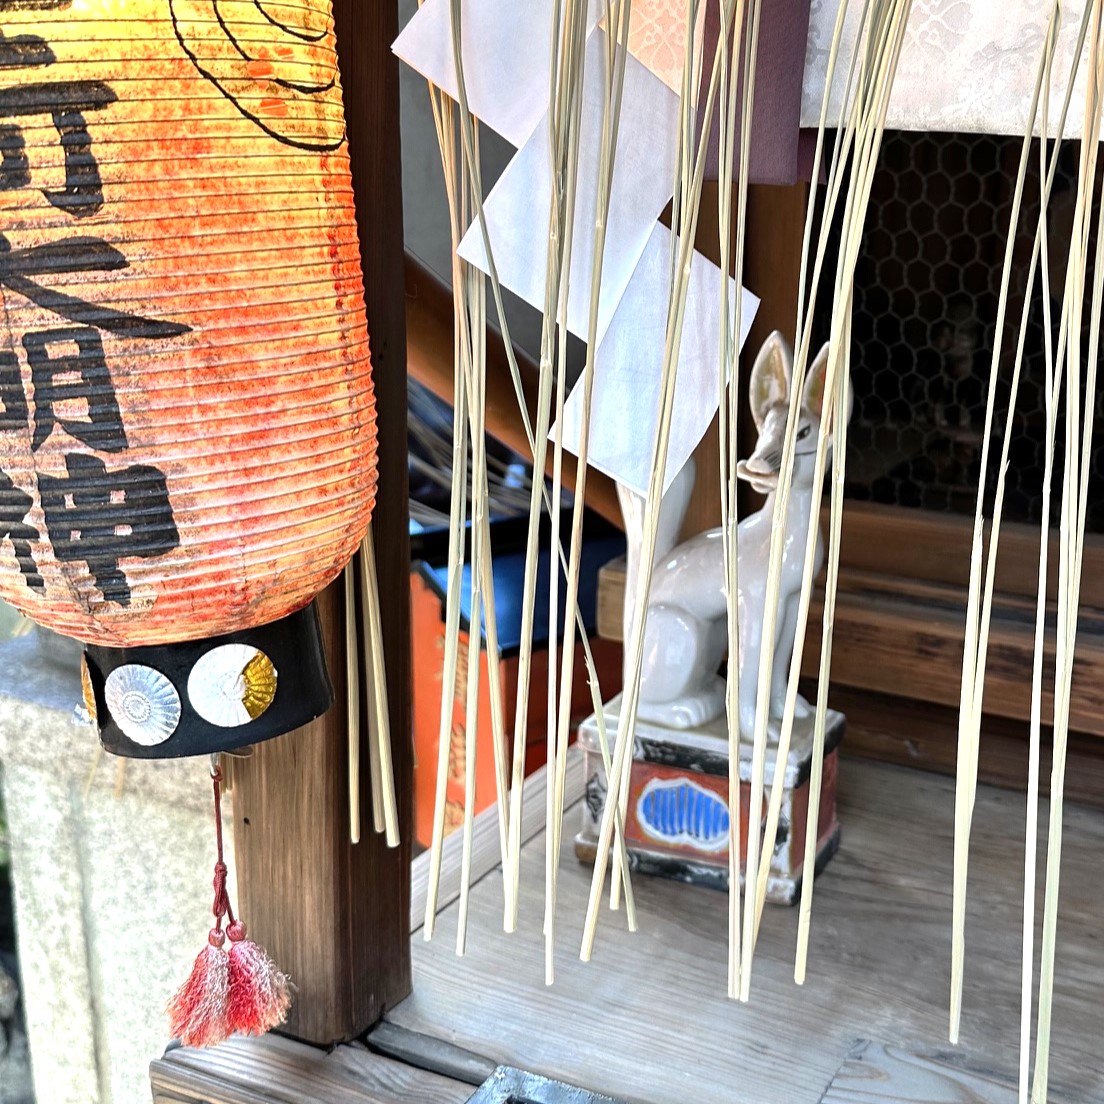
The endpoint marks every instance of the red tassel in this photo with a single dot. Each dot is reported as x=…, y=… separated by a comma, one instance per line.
x=259, y=994
x=197, y=1014
x=227, y=991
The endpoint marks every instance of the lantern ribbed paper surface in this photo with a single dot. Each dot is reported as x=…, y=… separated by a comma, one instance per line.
x=187, y=428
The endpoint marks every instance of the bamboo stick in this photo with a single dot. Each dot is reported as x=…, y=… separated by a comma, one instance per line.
x=1031, y=827
x=774, y=568
x=805, y=332
x=842, y=403
x=474, y=289
x=816, y=773
x=676, y=314
x=832, y=418
x=448, y=681
x=681, y=191
x=474, y=368
x=557, y=763
x=375, y=770
x=471, y=733
x=728, y=383
x=352, y=702
x=556, y=264
x=973, y=663
x=681, y=198
x=1072, y=526
x=457, y=516
x=884, y=35
x=471, y=161
x=617, y=23
x=469, y=348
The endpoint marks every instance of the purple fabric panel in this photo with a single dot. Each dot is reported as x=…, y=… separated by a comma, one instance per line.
x=806, y=154
x=777, y=154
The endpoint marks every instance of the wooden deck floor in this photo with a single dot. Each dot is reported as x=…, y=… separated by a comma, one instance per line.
x=648, y=1019
x=273, y=1070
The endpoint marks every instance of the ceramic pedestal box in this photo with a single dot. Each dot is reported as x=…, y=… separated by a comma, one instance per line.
x=677, y=822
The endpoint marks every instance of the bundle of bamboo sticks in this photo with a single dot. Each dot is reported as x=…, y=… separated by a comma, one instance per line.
x=861, y=79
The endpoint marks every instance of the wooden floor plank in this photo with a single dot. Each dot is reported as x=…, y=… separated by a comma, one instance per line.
x=486, y=849
x=879, y=1074
x=275, y=1070
x=648, y=1019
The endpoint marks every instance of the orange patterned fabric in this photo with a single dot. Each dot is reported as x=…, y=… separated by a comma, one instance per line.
x=187, y=426
x=657, y=38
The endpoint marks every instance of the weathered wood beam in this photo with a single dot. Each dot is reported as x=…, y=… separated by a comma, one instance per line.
x=924, y=736
x=900, y=610
x=334, y=915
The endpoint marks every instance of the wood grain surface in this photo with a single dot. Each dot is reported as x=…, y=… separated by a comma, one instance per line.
x=273, y=1070
x=648, y=1018
x=895, y=634
x=935, y=547
x=879, y=1074
x=486, y=851
x=911, y=733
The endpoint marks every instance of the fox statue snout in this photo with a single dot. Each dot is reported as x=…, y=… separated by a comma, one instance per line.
x=761, y=468
x=686, y=631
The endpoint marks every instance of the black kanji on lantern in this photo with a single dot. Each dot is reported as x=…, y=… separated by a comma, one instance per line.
x=26, y=271
x=68, y=366
x=101, y=517
x=94, y=515
x=18, y=52
x=67, y=103
x=15, y=505
x=13, y=399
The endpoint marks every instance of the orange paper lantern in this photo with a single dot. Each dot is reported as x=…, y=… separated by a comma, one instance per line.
x=187, y=427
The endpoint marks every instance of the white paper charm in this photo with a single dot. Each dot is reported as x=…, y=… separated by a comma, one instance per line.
x=507, y=48
x=517, y=208
x=625, y=403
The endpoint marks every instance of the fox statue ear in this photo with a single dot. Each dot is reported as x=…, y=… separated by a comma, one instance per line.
x=770, y=378
x=813, y=394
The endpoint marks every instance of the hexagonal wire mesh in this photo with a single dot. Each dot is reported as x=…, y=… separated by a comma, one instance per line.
x=926, y=290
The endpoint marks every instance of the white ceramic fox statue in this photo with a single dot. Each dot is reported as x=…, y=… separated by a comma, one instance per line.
x=686, y=631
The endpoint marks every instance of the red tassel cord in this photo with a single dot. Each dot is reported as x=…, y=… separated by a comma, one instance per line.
x=239, y=989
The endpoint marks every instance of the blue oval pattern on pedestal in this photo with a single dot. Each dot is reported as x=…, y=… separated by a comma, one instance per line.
x=679, y=812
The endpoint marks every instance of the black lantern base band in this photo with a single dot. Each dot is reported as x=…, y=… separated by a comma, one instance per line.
x=205, y=696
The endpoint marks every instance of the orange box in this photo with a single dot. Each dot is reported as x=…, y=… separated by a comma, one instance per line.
x=428, y=636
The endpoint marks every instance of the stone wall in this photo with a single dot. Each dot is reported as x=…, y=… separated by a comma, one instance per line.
x=112, y=864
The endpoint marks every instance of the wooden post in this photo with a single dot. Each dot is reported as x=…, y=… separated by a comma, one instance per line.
x=337, y=917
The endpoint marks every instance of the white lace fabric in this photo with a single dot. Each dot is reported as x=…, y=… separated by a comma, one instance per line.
x=967, y=65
